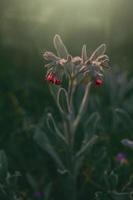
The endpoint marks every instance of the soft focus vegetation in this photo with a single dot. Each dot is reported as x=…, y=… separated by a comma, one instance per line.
x=26, y=30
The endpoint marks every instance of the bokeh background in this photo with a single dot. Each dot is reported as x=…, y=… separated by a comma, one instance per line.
x=26, y=31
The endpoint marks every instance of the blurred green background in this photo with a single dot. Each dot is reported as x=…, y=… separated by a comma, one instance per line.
x=27, y=28
x=26, y=31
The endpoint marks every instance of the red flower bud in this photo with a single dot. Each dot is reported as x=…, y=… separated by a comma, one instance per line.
x=98, y=81
x=57, y=82
x=52, y=79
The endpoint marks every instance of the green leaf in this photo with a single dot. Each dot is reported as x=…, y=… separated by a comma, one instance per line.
x=31, y=181
x=101, y=196
x=3, y=165
x=77, y=165
x=98, y=52
x=106, y=179
x=83, y=106
x=51, y=122
x=84, y=53
x=43, y=141
x=112, y=196
x=121, y=113
x=120, y=196
x=60, y=47
x=47, y=191
x=113, y=179
x=94, y=116
x=86, y=146
x=54, y=90
x=92, y=123
x=62, y=101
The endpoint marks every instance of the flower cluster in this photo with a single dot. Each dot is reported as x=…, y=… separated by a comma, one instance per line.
x=78, y=67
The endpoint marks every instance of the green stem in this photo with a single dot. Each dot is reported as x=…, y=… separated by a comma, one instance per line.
x=83, y=106
x=69, y=125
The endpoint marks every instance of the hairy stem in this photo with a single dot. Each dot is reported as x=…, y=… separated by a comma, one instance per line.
x=83, y=106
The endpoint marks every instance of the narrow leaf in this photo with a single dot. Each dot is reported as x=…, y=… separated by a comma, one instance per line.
x=43, y=141
x=87, y=146
x=84, y=53
x=62, y=100
x=3, y=165
x=60, y=47
x=113, y=180
x=31, y=181
x=125, y=116
x=94, y=117
x=56, y=129
x=83, y=105
x=120, y=196
x=47, y=191
x=98, y=52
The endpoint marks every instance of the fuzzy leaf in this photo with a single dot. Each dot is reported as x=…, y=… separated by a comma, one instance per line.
x=50, y=56
x=47, y=191
x=83, y=105
x=78, y=164
x=101, y=196
x=87, y=146
x=60, y=47
x=54, y=90
x=125, y=116
x=3, y=165
x=56, y=130
x=92, y=123
x=84, y=53
x=98, y=52
x=62, y=100
x=43, y=141
x=112, y=196
x=31, y=181
x=120, y=196
x=106, y=179
x=113, y=180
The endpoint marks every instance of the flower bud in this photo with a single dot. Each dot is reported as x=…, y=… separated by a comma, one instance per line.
x=52, y=79
x=98, y=81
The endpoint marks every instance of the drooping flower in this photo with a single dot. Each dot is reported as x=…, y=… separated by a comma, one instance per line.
x=94, y=65
x=50, y=77
x=77, y=67
x=98, y=81
x=54, y=68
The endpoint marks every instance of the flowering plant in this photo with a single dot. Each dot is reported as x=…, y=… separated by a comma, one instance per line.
x=70, y=79
x=72, y=72
x=78, y=171
x=67, y=77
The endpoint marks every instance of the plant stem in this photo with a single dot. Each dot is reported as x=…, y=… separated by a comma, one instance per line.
x=83, y=106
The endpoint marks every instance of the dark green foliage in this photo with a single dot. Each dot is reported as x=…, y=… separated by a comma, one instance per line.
x=25, y=99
